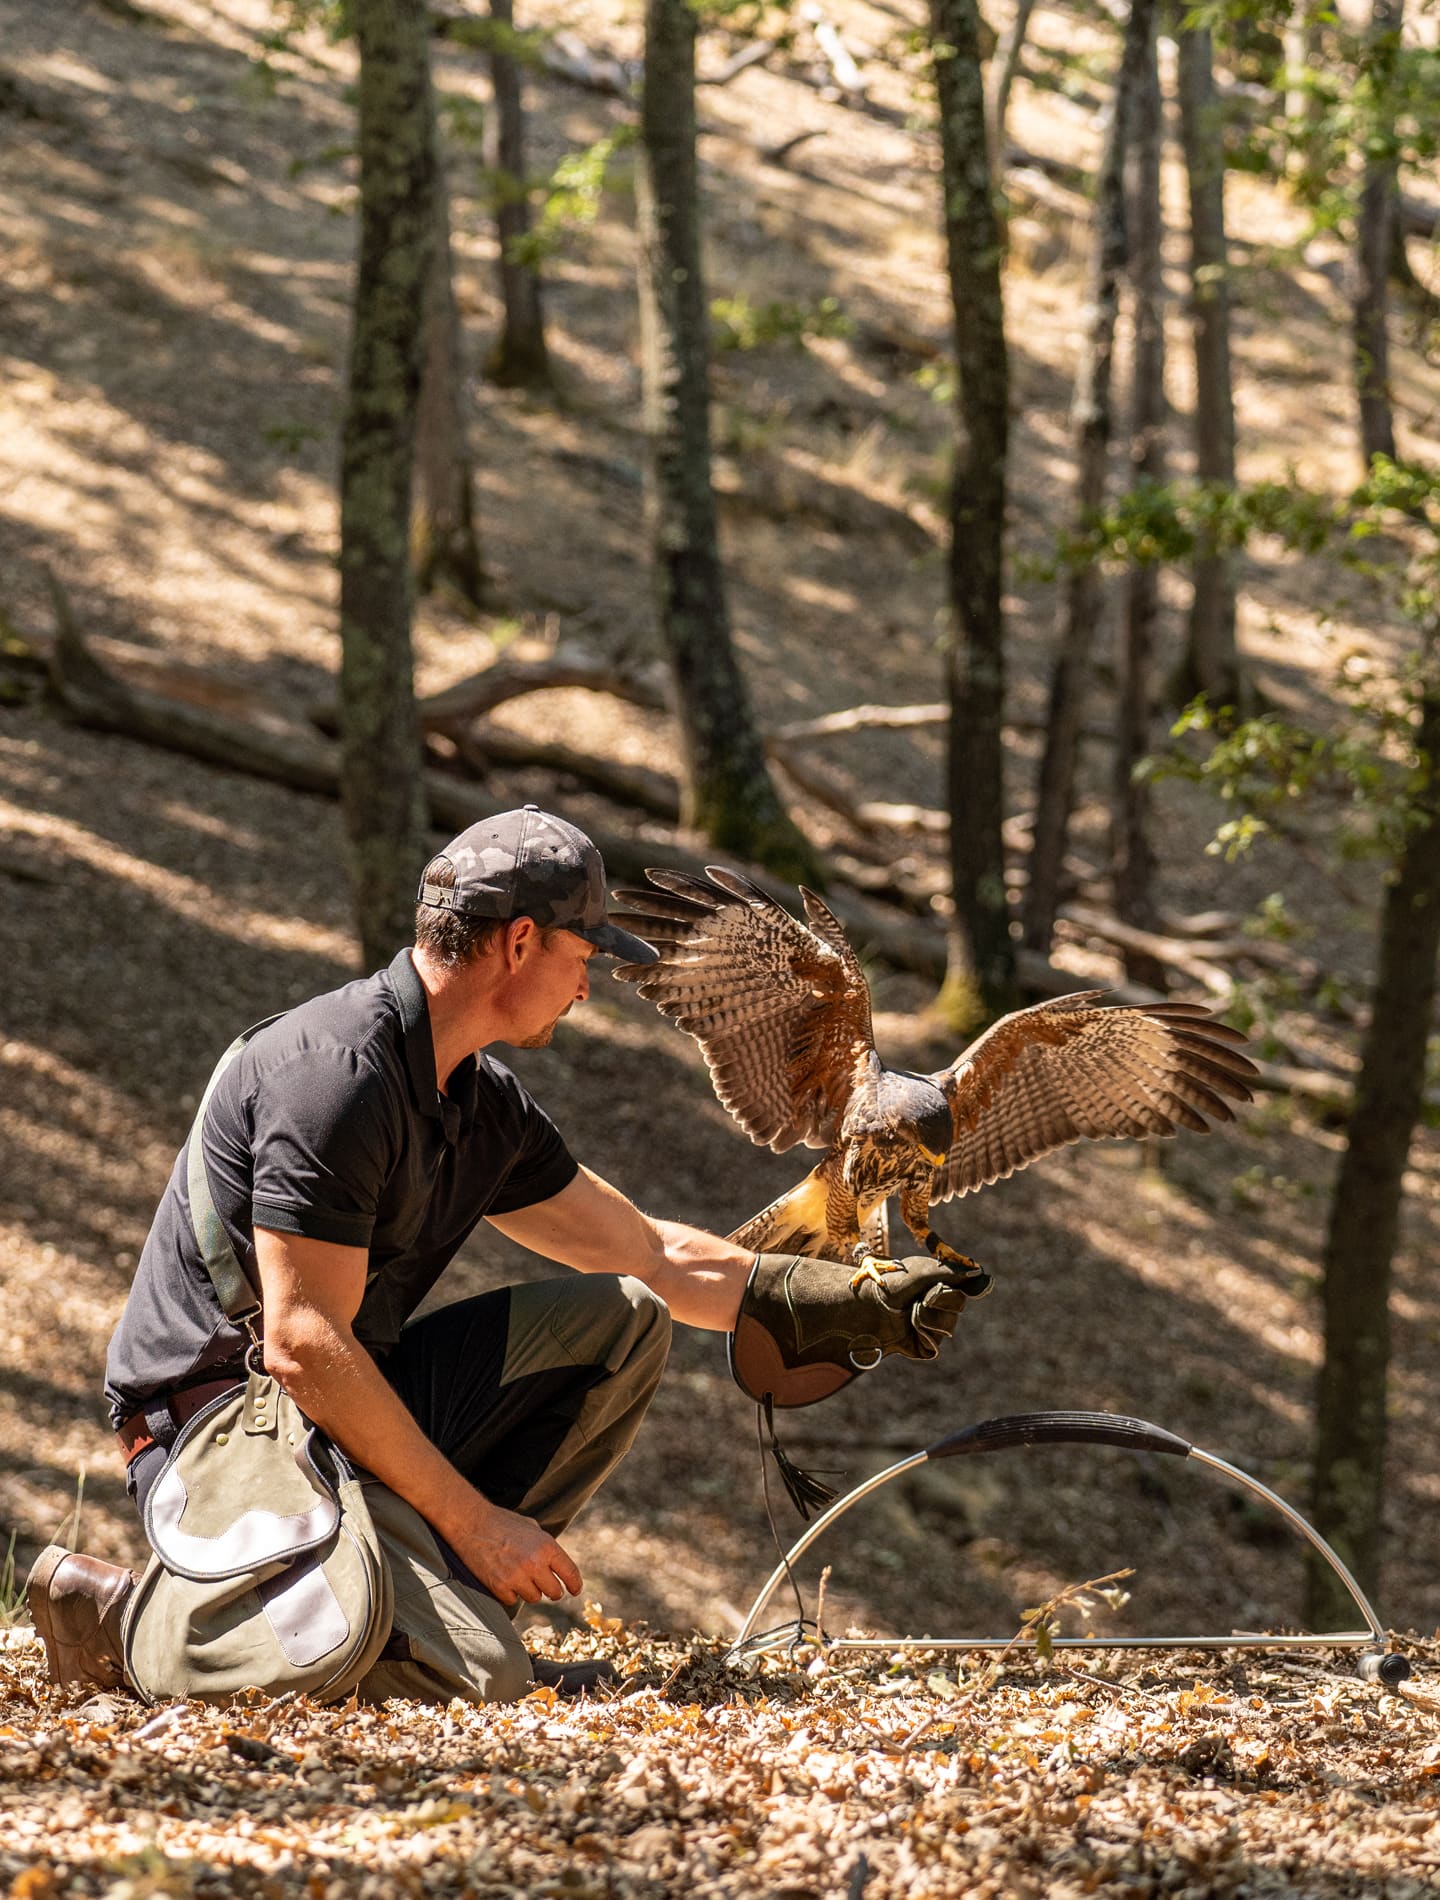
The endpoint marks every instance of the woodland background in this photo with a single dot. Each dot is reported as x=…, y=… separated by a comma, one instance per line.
x=179, y=207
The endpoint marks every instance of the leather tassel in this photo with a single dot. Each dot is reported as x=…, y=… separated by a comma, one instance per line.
x=806, y=1492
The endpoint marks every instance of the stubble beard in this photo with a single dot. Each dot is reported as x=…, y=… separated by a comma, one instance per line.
x=542, y=1038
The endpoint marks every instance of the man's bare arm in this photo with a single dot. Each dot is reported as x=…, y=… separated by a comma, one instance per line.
x=311, y=1291
x=593, y=1227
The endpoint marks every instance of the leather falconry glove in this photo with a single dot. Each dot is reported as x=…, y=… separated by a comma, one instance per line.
x=808, y=1327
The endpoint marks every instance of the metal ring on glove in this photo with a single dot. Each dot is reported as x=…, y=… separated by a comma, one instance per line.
x=866, y=1365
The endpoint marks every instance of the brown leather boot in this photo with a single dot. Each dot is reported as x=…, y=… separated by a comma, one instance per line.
x=575, y=1678
x=76, y=1603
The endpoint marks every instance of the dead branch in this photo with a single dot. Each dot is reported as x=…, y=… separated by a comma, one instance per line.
x=1204, y=923
x=480, y=693
x=841, y=61
x=781, y=154
x=564, y=55
x=755, y=54
x=1174, y=954
x=861, y=719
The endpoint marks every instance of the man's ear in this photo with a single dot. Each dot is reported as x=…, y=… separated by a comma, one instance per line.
x=520, y=942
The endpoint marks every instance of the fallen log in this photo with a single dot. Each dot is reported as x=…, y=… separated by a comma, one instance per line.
x=480, y=693
x=649, y=791
x=97, y=698
x=1173, y=953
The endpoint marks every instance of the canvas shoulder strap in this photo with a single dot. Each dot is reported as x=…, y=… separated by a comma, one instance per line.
x=237, y=1297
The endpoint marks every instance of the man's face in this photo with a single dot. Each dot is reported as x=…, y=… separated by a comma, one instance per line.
x=556, y=978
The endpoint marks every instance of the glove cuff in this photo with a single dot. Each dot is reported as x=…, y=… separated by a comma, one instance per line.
x=765, y=1351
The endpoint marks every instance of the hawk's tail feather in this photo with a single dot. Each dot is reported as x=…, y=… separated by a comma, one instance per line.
x=793, y=1224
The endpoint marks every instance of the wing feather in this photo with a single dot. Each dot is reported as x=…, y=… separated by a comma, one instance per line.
x=781, y=1010
x=1066, y=1071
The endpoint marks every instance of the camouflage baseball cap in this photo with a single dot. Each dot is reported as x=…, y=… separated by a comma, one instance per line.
x=531, y=864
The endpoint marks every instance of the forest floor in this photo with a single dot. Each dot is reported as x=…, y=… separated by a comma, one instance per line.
x=176, y=207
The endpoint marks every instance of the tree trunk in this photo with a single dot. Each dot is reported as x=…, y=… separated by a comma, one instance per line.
x=729, y=794
x=1374, y=247
x=1210, y=663
x=381, y=771
x=1132, y=857
x=1304, y=51
x=519, y=357
x=1091, y=414
x=1004, y=65
x=980, y=978
x=1365, y=1207
x=445, y=548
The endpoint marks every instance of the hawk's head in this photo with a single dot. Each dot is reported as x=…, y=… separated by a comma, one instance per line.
x=909, y=1124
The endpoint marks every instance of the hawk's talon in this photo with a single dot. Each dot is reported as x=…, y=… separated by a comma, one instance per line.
x=975, y=1282
x=873, y=1270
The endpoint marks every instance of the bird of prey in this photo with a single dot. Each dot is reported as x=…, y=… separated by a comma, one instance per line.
x=781, y=1011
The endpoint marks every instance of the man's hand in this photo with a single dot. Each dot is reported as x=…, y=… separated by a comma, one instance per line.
x=515, y=1559
x=807, y=1327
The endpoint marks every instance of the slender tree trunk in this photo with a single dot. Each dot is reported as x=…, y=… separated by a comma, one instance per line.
x=1304, y=50
x=1004, y=65
x=729, y=794
x=381, y=768
x=445, y=546
x=1374, y=249
x=1365, y=1207
x=520, y=357
x=980, y=979
x=1210, y=663
x=1083, y=591
x=1132, y=856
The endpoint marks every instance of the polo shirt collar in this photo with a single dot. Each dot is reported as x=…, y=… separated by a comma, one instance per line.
x=415, y=1029
x=455, y=1109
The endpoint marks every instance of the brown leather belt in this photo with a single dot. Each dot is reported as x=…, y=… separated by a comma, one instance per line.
x=135, y=1434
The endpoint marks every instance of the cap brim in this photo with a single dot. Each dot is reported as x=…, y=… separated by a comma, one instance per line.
x=611, y=941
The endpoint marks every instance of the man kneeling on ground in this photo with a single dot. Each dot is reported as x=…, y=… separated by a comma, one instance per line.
x=350, y=1148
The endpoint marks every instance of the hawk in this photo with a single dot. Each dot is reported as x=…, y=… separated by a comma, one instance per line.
x=781, y=1011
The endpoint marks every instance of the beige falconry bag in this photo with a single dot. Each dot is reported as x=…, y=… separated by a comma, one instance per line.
x=267, y=1571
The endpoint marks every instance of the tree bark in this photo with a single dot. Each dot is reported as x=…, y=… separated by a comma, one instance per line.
x=1374, y=246
x=1004, y=64
x=380, y=736
x=1132, y=855
x=1304, y=49
x=980, y=975
x=1210, y=663
x=729, y=793
x=520, y=356
x=445, y=546
x=1083, y=592
x=1365, y=1207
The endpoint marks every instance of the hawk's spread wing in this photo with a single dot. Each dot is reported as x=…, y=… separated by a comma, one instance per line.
x=1064, y=1071
x=781, y=1012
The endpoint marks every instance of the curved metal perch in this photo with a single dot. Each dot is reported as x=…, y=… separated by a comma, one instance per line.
x=1080, y=1428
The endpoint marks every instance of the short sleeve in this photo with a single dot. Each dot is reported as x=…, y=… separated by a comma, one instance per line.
x=324, y=1136
x=542, y=1164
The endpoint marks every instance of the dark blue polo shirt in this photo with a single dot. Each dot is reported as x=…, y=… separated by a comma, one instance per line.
x=329, y=1124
